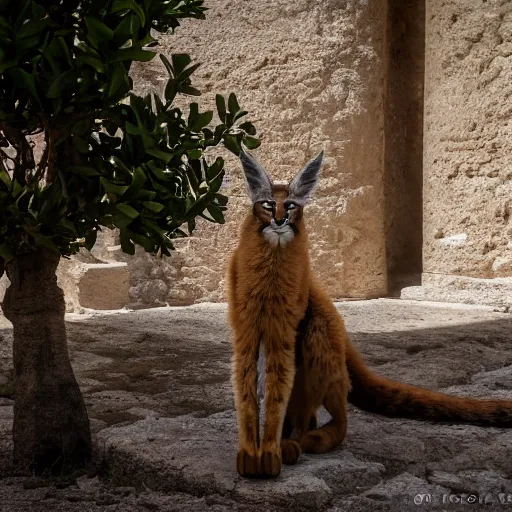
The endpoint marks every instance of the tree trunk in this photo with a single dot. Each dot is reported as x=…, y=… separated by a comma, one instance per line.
x=51, y=427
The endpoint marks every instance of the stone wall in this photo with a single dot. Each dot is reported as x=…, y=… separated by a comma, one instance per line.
x=467, y=149
x=411, y=101
x=311, y=74
x=468, y=138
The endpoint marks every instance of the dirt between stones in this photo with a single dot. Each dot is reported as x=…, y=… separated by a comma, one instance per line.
x=156, y=384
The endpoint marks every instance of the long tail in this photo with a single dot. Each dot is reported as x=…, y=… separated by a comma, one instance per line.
x=389, y=398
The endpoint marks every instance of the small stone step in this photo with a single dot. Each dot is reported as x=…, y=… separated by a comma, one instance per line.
x=104, y=286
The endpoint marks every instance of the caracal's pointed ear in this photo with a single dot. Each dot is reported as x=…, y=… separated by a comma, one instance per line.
x=303, y=185
x=259, y=186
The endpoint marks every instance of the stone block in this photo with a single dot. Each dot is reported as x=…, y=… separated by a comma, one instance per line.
x=496, y=292
x=104, y=286
x=468, y=140
x=311, y=76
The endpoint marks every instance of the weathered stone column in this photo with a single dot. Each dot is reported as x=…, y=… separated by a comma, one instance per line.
x=468, y=152
x=312, y=76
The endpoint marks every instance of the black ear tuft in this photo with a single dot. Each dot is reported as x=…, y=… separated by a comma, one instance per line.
x=304, y=184
x=259, y=186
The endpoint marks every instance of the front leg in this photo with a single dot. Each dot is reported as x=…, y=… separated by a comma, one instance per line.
x=280, y=357
x=244, y=379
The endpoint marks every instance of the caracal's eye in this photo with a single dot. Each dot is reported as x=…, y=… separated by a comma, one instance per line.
x=291, y=206
x=268, y=206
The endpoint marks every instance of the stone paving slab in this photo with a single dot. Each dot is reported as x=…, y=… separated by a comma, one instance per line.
x=156, y=384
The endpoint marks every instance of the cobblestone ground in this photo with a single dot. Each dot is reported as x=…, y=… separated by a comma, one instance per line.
x=156, y=384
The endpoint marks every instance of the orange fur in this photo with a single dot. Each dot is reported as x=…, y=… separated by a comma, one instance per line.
x=275, y=301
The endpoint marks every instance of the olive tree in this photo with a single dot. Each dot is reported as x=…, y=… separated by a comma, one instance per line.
x=81, y=151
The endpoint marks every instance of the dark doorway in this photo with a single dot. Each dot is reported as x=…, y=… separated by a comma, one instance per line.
x=403, y=179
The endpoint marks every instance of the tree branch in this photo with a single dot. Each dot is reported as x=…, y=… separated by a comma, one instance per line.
x=50, y=152
x=43, y=161
x=24, y=155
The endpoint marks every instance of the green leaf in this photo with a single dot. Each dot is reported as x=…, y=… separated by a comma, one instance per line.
x=239, y=114
x=6, y=29
x=118, y=79
x=138, y=180
x=159, y=173
x=26, y=81
x=232, y=144
x=6, y=253
x=23, y=8
x=167, y=64
x=233, y=105
x=112, y=188
x=128, y=28
x=146, y=242
x=127, y=210
x=216, y=182
x=188, y=71
x=81, y=127
x=190, y=91
x=216, y=214
x=219, y=132
x=221, y=107
x=152, y=206
x=34, y=27
x=122, y=5
x=127, y=245
x=162, y=155
x=84, y=170
x=90, y=239
x=41, y=240
x=221, y=200
x=4, y=176
x=7, y=63
x=171, y=89
x=194, y=154
x=97, y=32
x=208, y=134
x=68, y=226
x=132, y=54
x=179, y=62
x=131, y=129
x=92, y=61
x=81, y=145
x=251, y=142
x=198, y=206
x=197, y=121
x=248, y=127
x=63, y=82
x=214, y=169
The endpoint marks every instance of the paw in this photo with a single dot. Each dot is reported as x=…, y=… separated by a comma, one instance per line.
x=290, y=451
x=247, y=464
x=270, y=464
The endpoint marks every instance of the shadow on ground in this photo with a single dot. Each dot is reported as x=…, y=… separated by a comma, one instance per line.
x=157, y=388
